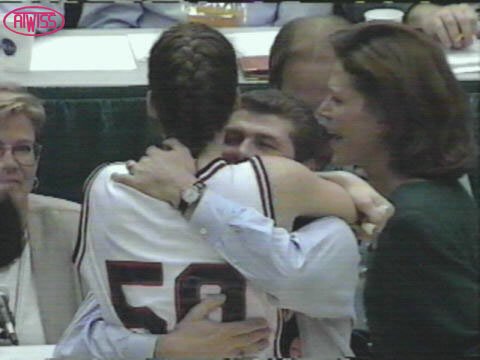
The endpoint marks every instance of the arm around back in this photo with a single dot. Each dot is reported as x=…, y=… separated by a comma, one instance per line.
x=298, y=191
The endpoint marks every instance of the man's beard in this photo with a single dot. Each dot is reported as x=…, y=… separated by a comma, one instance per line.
x=11, y=231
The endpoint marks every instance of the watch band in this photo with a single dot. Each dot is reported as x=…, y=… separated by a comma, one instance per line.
x=198, y=187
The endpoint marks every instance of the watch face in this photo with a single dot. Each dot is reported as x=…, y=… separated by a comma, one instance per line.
x=191, y=194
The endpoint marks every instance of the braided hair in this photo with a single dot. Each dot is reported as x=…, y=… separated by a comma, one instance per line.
x=192, y=73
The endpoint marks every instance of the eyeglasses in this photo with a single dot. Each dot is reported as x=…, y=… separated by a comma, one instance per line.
x=24, y=154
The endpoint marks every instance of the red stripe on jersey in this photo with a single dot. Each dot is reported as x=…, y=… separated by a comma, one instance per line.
x=213, y=168
x=260, y=187
x=209, y=166
x=269, y=188
x=264, y=186
x=81, y=245
x=267, y=204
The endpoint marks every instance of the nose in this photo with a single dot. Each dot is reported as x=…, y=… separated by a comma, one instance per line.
x=246, y=149
x=7, y=160
x=236, y=153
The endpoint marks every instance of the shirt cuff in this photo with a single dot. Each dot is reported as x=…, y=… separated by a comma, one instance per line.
x=141, y=346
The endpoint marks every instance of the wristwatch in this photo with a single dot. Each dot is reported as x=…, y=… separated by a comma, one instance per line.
x=191, y=195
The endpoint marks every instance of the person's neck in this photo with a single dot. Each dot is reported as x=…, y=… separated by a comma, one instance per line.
x=212, y=151
x=20, y=200
x=385, y=180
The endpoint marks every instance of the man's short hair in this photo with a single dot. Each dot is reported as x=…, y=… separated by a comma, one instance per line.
x=301, y=39
x=310, y=139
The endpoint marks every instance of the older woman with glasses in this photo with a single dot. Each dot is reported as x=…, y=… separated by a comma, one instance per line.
x=35, y=269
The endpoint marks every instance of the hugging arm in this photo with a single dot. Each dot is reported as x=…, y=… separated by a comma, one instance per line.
x=163, y=174
x=285, y=264
x=297, y=191
x=90, y=336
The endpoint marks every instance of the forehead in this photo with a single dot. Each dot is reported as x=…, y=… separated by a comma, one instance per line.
x=307, y=80
x=339, y=78
x=16, y=126
x=304, y=73
x=255, y=124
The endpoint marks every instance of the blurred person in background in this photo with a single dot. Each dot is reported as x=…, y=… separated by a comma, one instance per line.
x=300, y=62
x=301, y=56
x=143, y=15
x=454, y=25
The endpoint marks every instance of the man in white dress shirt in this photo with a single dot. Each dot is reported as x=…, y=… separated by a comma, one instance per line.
x=252, y=132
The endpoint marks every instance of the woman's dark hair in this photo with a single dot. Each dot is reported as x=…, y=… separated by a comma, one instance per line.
x=192, y=74
x=408, y=84
x=11, y=231
x=310, y=139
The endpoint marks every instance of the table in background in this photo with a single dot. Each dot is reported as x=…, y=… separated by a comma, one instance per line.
x=99, y=116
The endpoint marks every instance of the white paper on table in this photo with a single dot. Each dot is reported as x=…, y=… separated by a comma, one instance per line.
x=252, y=43
x=28, y=352
x=56, y=53
x=465, y=57
x=466, y=69
x=142, y=43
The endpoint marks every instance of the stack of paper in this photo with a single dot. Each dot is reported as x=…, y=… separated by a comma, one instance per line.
x=254, y=67
x=142, y=43
x=466, y=60
x=252, y=50
x=82, y=53
x=256, y=43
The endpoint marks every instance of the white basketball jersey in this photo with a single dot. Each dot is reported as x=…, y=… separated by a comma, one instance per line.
x=148, y=266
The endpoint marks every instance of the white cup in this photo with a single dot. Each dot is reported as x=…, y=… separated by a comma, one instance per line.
x=15, y=49
x=394, y=15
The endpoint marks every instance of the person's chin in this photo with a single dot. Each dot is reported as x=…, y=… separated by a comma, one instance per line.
x=10, y=185
x=6, y=186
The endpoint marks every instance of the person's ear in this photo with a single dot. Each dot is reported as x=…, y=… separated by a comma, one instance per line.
x=151, y=111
